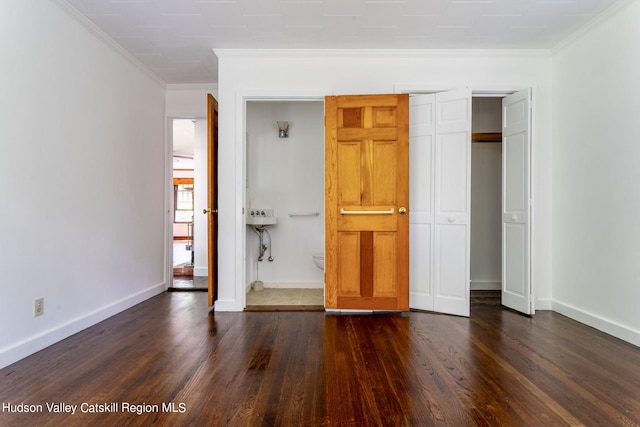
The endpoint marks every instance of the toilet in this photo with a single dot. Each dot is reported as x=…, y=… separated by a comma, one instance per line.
x=318, y=260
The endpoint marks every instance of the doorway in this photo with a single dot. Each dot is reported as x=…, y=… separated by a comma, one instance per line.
x=284, y=180
x=188, y=191
x=441, y=201
x=486, y=196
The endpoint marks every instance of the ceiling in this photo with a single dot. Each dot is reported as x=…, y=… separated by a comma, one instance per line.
x=183, y=143
x=175, y=38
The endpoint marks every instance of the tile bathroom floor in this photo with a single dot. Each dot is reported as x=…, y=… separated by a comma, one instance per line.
x=279, y=296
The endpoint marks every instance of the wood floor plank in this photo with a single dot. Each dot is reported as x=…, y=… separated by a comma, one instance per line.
x=496, y=368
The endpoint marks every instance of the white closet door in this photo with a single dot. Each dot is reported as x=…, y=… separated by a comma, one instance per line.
x=421, y=171
x=452, y=202
x=516, y=202
x=440, y=162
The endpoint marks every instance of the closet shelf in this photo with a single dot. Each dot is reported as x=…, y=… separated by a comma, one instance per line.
x=486, y=137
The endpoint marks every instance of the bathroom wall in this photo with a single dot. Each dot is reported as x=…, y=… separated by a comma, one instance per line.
x=486, y=182
x=287, y=175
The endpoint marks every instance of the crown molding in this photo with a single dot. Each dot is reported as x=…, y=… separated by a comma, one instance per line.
x=107, y=40
x=410, y=53
x=589, y=26
x=191, y=86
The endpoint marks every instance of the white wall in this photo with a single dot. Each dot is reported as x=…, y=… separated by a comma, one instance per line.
x=287, y=175
x=486, y=190
x=596, y=105
x=247, y=74
x=189, y=101
x=82, y=165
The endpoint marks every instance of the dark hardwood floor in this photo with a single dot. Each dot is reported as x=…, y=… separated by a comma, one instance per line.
x=496, y=368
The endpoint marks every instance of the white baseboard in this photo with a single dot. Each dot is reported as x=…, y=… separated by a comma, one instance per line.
x=227, y=305
x=544, y=304
x=485, y=285
x=612, y=328
x=349, y=311
x=200, y=271
x=43, y=340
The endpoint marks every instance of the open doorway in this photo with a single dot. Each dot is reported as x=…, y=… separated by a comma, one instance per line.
x=486, y=197
x=284, y=180
x=189, y=194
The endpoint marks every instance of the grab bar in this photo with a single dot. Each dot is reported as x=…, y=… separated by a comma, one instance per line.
x=316, y=213
x=344, y=212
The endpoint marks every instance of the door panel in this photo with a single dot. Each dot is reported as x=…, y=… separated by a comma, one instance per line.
x=516, y=196
x=212, y=198
x=348, y=253
x=349, y=171
x=453, y=174
x=421, y=294
x=440, y=228
x=422, y=149
x=367, y=242
x=452, y=201
x=384, y=264
x=515, y=279
x=450, y=272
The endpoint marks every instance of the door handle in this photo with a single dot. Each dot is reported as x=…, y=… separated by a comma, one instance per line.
x=208, y=211
x=345, y=212
x=402, y=210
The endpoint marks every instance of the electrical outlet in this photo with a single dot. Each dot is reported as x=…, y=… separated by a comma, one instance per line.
x=38, y=307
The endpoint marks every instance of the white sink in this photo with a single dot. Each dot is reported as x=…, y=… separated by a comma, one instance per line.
x=261, y=217
x=261, y=220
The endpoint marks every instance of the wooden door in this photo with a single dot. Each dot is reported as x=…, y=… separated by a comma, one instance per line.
x=212, y=198
x=367, y=197
x=516, y=202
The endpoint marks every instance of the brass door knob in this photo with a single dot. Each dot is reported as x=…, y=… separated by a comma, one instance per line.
x=402, y=210
x=208, y=211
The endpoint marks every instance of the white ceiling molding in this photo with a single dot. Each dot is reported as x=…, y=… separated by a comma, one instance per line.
x=176, y=39
x=574, y=37
x=368, y=53
x=108, y=40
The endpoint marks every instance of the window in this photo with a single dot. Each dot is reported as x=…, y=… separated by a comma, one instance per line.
x=183, y=202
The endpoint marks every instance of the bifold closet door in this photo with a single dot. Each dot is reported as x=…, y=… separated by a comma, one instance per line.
x=441, y=188
x=516, y=202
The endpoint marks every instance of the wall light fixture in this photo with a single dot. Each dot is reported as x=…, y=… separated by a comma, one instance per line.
x=283, y=129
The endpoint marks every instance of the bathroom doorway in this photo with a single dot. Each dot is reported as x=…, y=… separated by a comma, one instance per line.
x=285, y=180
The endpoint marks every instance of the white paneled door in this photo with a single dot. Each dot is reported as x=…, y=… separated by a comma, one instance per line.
x=440, y=148
x=422, y=134
x=516, y=202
